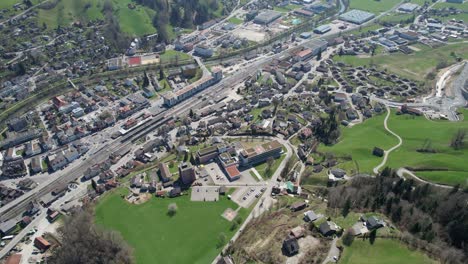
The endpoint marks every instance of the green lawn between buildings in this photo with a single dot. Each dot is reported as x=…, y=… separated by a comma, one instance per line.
x=359, y=141
x=373, y=6
x=191, y=236
x=416, y=66
x=383, y=251
x=261, y=168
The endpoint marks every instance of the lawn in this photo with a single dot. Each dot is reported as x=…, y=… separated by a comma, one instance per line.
x=261, y=168
x=287, y=8
x=383, y=251
x=373, y=6
x=235, y=20
x=441, y=5
x=416, y=131
x=415, y=66
x=359, y=141
x=170, y=56
x=191, y=236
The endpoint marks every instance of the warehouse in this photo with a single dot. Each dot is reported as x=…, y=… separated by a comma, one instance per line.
x=322, y=29
x=357, y=16
x=267, y=17
x=317, y=46
x=408, y=7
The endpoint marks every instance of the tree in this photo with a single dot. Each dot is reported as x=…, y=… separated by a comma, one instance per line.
x=221, y=240
x=346, y=208
x=458, y=139
x=145, y=79
x=172, y=209
x=372, y=236
x=269, y=163
x=83, y=242
x=161, y=73
x=93, y=184
x=348, y=238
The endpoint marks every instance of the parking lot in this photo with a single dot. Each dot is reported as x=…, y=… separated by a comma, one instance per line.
x=245, y=196
x=205, y=193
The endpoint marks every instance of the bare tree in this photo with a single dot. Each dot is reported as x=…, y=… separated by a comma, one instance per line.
x=84, y=243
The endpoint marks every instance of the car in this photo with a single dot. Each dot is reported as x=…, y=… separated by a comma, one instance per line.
x=335, y=258
x=263, y=189
x=244, y=198
x=257, y=195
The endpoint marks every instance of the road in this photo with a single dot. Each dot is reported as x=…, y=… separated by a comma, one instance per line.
x=401, y=172
x=387, y=152
x=265, y=201
x=333, y=252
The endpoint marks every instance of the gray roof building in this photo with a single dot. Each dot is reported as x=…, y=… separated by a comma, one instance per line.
x=357, y=16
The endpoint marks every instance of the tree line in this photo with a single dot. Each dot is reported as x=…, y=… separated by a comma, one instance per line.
x=431, y=214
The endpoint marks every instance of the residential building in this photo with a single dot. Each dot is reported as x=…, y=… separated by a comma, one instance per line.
x=187, y=173
x=173, y=97
x=41, y=243
x=290, y=246
x=328, y=228
x=203, y=51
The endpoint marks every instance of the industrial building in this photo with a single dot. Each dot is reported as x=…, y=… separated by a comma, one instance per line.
x=317, y=46
x=357, y=16
x=173, y=97
x=408, y=7
x=455, y=1
x=322, y=29
x=267, y=17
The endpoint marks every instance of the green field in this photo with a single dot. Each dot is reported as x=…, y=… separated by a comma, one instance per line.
x=359, y=141
x=170, y=56
x=235, y=20
x=373, y=6
x=132, y=21
x=414, y=66
x=383, y=251
x=261, y=168
x=415, y=131
x=191, y=236
x=463, y=6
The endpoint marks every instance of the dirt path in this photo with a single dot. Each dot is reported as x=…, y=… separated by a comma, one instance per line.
x=387, y=152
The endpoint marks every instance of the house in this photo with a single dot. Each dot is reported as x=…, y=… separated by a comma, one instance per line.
x=176, y=191
x=164, y=173
x=338, y=173
x=297, y=206
x=290, y=246
x=36, y=165
x=310, y=216
x=374, y=223
x=378, y=152
x=328, y=228
x=13, y=259
x=203, y=51
x=297, y=232
x=41, y=243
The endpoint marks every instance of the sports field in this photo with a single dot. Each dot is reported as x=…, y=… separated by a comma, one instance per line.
x=373, y=6
x=416, y=66
x=383, y=251
x=191, y=236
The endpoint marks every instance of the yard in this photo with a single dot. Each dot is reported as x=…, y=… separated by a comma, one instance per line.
x=416, y=66
x=191, y=236
x=373, y=6
x=170, y=56
x=383, y=251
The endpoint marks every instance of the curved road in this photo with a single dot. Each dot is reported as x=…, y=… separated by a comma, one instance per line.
x=402, y=171
x=400, y=141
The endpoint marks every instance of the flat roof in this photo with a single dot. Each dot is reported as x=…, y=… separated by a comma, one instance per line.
x=357, y=16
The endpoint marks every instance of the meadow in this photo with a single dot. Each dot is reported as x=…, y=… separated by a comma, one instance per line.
x=373, y=6
x=190, y=236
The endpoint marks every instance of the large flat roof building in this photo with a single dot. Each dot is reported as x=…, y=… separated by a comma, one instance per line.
x=408, y=7
x=357, y=16
x=266, y=17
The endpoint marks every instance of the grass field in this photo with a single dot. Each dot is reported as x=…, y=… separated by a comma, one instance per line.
x=373, y=6
x=383, y=251
x=463, y=6
x=359, y=141
x=235, y=20
x=446, y=166
x=415, y=66
x=132, y=21
x=191, y=236
x=261, y=168
x=415, y=131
